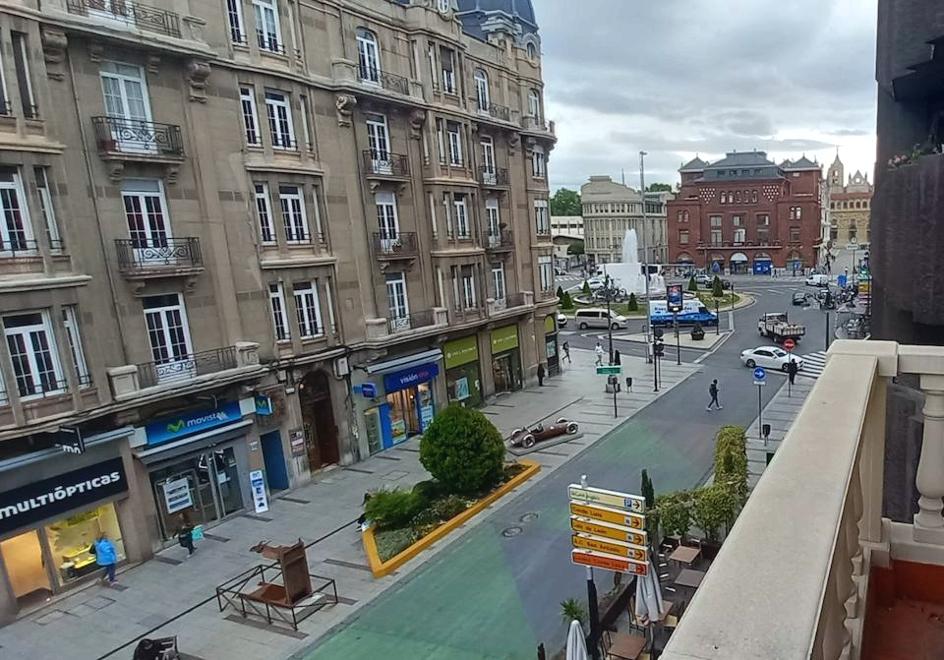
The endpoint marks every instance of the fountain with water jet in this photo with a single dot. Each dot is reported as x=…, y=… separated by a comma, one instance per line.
x=628, y=274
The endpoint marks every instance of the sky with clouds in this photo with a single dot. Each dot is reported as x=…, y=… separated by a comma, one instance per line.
x=678, y=78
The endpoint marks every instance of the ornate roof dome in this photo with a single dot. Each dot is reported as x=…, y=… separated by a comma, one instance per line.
x=474, y=13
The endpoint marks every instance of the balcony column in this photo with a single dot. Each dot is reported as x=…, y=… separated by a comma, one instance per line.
x=928, y=523
x=872, y=462
x=831, y=633
x=853, y=521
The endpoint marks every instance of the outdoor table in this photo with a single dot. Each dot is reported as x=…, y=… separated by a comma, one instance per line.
x=689, y=578
x=685, y=555
x=628, y=647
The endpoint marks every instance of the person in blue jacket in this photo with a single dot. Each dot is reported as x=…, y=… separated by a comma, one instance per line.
x=106, y=556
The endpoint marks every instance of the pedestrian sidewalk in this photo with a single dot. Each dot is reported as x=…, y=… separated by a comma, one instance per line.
x=174, y=595
x=779, y=412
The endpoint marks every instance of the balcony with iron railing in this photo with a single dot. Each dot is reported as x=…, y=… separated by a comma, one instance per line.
x=493, y=177
x=390, y=82
x=413, y=321
x=128, y=15
x=395, y=245
x=493, y=110
x=502, y=240
x=811, y=569
x=18, y=247
x=186, y=367
x=133, y=139
x=386, y=165
x=138, y=257
x=512, y=303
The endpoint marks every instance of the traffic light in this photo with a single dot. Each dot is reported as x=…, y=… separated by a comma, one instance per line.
x=658, y=348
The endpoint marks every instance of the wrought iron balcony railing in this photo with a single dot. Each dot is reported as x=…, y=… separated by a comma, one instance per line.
x=134, y=14
x=17, y=248
x=493, y=176
x=384, y=163
x=395, y=245
x=412, y=321
x=143, y=255
x=389, y=81
x=185, y=367
x=134, y=137
x=504, y=239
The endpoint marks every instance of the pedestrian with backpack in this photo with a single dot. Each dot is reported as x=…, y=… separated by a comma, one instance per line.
x=713, y=391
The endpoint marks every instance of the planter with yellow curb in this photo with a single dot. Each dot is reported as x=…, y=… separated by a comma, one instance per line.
x=381, y=568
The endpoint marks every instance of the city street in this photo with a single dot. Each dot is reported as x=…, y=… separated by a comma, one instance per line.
x=508, y=587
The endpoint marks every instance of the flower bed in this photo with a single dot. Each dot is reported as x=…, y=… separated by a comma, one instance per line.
x=388, y=546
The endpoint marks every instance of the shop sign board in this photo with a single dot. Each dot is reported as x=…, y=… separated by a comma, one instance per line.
x=608, y=515
x=674, y=298
x=264, y=404
x=609, y=546
x=177, y=495
x=610, y=498
x=550, y=325
x=399, y=380
x=57, y=495
x=607, y=530
x=504, y=339
x=257, y=484
x=609, y=370
x=181, y=426
x=69, y=439
x=460, y=351
x=462, y=388
x=368, y=390
x=608, y=562
x=296, y=440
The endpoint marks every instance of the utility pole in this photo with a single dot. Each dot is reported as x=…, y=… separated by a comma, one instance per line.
x=645, y=243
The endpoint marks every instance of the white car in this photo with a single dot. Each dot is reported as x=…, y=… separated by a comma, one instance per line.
x=596, y=283
x=561, y=320
x=769, y=357
x=817, y=279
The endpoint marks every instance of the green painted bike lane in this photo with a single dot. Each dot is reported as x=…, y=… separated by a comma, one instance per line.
x=491, y=596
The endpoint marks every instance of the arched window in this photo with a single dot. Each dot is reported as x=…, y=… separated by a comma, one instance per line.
x=531, y=50
x=481, y=90
x=368, y=56
x=443, y=6
x=534, y=106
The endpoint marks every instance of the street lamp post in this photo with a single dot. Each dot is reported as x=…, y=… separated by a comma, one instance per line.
x=609, y=320
x=645, y=242
x=718, y=318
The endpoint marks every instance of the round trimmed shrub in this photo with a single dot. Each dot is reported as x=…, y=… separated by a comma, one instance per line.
x=388, y=509
x=463, y=450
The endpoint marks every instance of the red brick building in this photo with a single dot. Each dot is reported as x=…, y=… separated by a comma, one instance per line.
x=746, y=214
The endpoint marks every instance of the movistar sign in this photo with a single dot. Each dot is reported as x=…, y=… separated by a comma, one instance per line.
x=180, y=426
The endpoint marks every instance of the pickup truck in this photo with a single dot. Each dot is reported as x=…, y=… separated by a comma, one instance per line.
x=776, y=326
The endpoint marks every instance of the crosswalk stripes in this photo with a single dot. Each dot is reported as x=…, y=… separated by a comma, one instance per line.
x=813, y=364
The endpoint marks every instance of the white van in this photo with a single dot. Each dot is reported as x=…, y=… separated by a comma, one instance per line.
x=593, y=317
x=817, y=279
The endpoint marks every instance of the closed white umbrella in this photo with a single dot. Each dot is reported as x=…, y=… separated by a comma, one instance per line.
x=576, y=646
x=649, y=603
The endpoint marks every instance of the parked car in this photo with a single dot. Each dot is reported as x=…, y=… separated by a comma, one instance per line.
x=799, y=298
x=528, y=437
x=769, y=357
x=595, y=317
x=817, y=279
x=561, y=320
x=596, y=282
x=703, y=279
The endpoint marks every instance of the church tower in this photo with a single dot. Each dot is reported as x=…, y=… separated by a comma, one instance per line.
x=835, y=177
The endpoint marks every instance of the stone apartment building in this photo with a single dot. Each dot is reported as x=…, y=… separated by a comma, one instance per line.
x=744, y=213
x=245, y=240
x=850, y=203
x=611, y=208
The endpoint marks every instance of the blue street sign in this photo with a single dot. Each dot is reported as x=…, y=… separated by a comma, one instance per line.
x=760, y=373
x=369, y=390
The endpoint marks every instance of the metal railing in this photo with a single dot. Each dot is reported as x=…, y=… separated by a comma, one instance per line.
x=411, y=321
x=391, y=245
x=18, y=248
x=144, y=255
x=384, y=163
x=504, y=239
x=389, y=81
x=136, y=137
x=269, y=44
x=186, y=367
x=495, y=110
x=493, y=176
x=6, y=110
x=238, y=593
x=31, y=388
x=131, y=13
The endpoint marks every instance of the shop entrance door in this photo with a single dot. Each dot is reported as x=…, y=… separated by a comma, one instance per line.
x=23, y=557
x=183, y=494
x=276, y=474
x=321, y=435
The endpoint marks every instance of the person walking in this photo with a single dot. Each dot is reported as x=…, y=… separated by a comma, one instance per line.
x=185, y=536
x=105, y=556
x=541, y=373
x=362, y=521
x=567, y=352
x=713, y=391
x=792, y=371
x=599, y=351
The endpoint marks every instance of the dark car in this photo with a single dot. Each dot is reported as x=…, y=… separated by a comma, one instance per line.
x=527, y=437
x=799, y=298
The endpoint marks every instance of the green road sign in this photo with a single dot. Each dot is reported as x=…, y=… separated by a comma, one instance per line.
x=612, y=370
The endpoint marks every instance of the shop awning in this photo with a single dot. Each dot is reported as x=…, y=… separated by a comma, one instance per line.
x=212, y=438
x=405, y=362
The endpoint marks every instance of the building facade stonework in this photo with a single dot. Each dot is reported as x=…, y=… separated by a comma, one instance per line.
x=610, y=209
x=251, y=244
x=850, y=202
x=745, y=213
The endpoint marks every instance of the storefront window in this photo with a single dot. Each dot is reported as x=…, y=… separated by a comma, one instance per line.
x=464, y=386
x=70, y=540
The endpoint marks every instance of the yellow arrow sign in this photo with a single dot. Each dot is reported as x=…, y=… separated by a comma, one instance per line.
x=607, y=530
x=611, y=547
x=609, y=562
x=611, y=498
x=606, y=514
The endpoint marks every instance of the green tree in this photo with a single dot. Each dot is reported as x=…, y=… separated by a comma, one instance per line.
x=565, y=202
x=659, y=187
x=586, y=288
x=714, y=508
x=463, y=450
x=716, y=289
x=692, y=284
x=632, y=305
x=674, y=511
x=567, y=302
x=560, y=295
x=731, y=459
x=575, y=249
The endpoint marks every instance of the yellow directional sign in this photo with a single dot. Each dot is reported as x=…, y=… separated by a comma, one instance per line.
x=609, y=562
x=608, y=546
x=606, y=514
x=610, y=498
x=607, y=530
